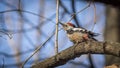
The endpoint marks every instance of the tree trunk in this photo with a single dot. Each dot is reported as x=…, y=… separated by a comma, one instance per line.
x=112, y=30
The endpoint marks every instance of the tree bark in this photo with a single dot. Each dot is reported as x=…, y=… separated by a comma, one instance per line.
x=77, y=50
x=112, y=30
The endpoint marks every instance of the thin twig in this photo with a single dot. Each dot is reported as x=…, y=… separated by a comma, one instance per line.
x=38, y=48
x=56, y=33
x=94, y=16
x=6, y=33
x=80, y=11
x=89, y=55
x=74, y=11
x=20, y=35
x=29, y=12
x=8, y=10
x=63, y=6
x=3, y=66
x=94, y=13
x=90, y=60
x=7, y=4
x=19, y=4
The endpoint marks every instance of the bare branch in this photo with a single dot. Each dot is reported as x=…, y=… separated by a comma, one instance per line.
x=88, y=5
x=56, y=33
x=74, y=11
x=19, y=4
x=77, y=50
x=38, y=48
x=3, y=66
x=90, y=60
x=29, y=12
x=94, y=16
x=65, y=8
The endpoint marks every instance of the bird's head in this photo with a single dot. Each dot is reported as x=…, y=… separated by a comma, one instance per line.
x=67, y=26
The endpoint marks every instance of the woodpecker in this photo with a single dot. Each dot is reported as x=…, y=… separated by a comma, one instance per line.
x=77, y=35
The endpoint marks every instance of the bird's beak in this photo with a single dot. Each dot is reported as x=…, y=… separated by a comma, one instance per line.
x=62, y=24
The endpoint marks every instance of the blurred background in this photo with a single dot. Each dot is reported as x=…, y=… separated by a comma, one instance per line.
x=27, y=24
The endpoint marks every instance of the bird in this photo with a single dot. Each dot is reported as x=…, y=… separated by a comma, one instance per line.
x=78, y=34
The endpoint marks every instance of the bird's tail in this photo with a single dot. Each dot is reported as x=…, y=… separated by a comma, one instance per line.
x=92, y=35
x=95, y=34
x=94, y=39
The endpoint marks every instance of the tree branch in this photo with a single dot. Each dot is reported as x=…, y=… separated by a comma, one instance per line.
x=56, y=32
x=77, y=50
x=74, y=11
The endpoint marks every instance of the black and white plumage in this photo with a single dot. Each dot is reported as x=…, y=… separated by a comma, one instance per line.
x=78, y=34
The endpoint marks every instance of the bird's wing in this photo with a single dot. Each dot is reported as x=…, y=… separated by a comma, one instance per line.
x=85, y=31
x=80, y=30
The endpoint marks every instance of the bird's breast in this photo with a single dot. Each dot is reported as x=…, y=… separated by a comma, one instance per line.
x=75, y=36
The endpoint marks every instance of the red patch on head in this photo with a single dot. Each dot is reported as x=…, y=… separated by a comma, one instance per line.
x=71, y=24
